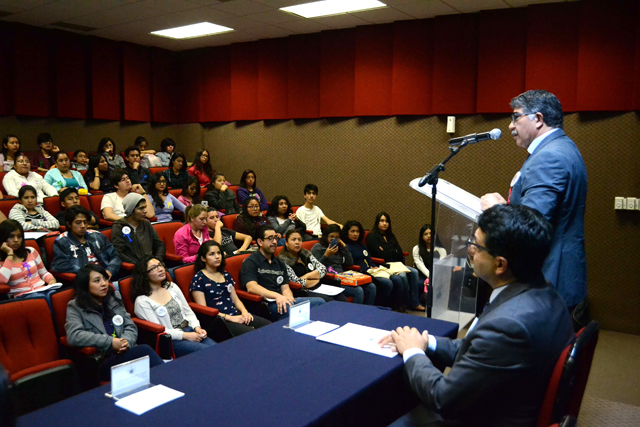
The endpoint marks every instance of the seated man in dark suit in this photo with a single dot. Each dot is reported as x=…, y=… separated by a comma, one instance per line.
x=501, y=368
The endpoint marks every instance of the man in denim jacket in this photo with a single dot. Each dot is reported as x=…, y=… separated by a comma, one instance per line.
x=80, y=246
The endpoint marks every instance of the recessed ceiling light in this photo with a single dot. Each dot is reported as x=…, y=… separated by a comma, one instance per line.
x=332, y=7
x=194, y=30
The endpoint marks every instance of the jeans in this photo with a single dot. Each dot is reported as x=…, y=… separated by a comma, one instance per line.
x=184, y=347
x=400, y=295
x=415, y=287
x=361, y=294
x=273, y=307
x=384, y=287
x=131, y=354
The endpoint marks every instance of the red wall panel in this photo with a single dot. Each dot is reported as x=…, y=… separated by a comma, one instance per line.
x=455, y=63
x=501, y=58
x=136, y=82
x=244, y=81
x=552, y=50
x=71, y=76
x=411, y=89
x=636, y=72
x=163, y=92
x=272, y=79
x=6, y=71
x=373, y=70
x=606, y=44
x=216, y=66
x=32, y=76
x=303, y=76
x=106, y=62
x=337, y=73
x=190, y=84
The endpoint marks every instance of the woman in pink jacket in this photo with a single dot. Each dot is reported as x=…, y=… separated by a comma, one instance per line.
x=194, y=233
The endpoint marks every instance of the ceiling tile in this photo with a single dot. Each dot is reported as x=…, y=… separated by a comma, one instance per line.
x=346, y=20
x=426, y=9
x=122, y=31
x=242, y=7
x=267, y=32
x=520, y=3
x=277, y=4
x=238, y=23
x=203, y=14
x=304, y=26
x=14, y=6
x=382, y=16
x=119, y=15
x=273, y=17
x=62, y=11
x=171, y=5
x=470, y=6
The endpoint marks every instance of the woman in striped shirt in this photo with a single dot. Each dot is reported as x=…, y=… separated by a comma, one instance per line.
x=22, y=268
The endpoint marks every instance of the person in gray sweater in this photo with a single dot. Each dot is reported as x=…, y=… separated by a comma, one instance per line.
x=96, y=317
x=219, y=196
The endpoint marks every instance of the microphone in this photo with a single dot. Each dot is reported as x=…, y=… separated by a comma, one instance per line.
x=476, y=137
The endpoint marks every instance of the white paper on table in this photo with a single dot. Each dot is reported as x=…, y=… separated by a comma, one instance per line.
x=317, y=328
x=45, y=288
x=358, y=337
x=34, y=235
x=145, y=400
x=327, y=290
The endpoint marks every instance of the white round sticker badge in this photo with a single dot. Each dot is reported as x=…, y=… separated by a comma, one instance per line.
x=161, y=311
x=515, y=179
x=365, y=253
x=117, y=320
x=310, y=266
x=344, y=260
x=229, y=287
x=279, y=280
x=126, y=229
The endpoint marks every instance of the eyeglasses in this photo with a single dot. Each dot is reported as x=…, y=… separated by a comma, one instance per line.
x=253, y=207
x=162, y=182
x=161, y=265
x=270, y=238
x=516, y=116
x=24, y=162
x=471, y=241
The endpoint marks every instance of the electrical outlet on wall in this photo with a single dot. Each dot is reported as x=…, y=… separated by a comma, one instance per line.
x=621, y=203
x=631, y=203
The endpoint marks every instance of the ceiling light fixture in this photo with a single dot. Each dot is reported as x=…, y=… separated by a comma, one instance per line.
x=191, y=31
x=332, y=7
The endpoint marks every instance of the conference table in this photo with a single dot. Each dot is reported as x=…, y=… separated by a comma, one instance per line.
x=272, y=376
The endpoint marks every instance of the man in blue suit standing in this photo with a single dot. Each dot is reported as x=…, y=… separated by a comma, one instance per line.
x=552, y=180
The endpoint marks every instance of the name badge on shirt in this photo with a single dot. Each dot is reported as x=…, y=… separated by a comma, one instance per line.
x=365, y=253
x=310, y=266
x=279, y=280
x=161, y=311
x=515, y=179
x=229, y=287
x=117, y=320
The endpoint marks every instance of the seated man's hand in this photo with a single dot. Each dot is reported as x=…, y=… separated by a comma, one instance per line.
x=405, y=338
x=491, y=199
x=283, y=302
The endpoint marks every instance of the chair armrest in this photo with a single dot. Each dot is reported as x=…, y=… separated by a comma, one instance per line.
x=247, y=296
x=64, y=277
x=405, y=253
x=148, y=326
x=294, y=285
x=106, y=223
x=353, y=267
x=201, y=309
x=330, y=276
x=128, y=266
x=378, y=261
x=309, y=232
x=4, y=289
x=173, y=257
x=84, y=350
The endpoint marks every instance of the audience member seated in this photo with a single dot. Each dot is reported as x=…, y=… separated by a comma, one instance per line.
x=10, y=149
x=333, y=253
x=79, y=246
x=177, y=174
x=133, y=236
x=22, y=175
x=108, y=146
x=194, y=233
x=248, y=187
x=80, y=161
x=265, y=275
x=163, y=202
x=382, y=243
x=142, y=144
x=160, y=301
x=190, y=192
x=201, y=168
x=214, y=287
x=22, y=268
x=306, y=266
x=148, y=158
x=422, y=252
x=219, y=196
x=251, y=219
x=167, y=148
x=282, y=218
x=96, y=317
x=41, y=160
x=62, y=176
x=352, y=234
x=137, y=173
x=111, y=206
x=30, y=214
x=225, y=237
x=98, y=173
x=69, y=197
x=312, y=215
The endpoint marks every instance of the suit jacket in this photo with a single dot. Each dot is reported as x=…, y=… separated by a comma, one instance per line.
x=553, y=180
x=501, y=368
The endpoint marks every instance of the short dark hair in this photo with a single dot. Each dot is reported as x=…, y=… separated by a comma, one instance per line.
x=540, y=101
x=67, y=192
x=290, y=232
x=129, y=149
x=332, y=228
x=5, y=141
x=44, y=137
x=202, y=253
x=165, y=143
x=310, y=187
x=73, y=212
x=243, y=178
x=263, y=230
x=75, y=153
x=24, y=189
x=81, y=286
x=344, y=233
x=116, y=177
x=521, y=235
x=54, y=156
x=6, y=228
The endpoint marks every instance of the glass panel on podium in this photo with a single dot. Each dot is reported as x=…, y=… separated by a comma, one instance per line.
x=455, y=288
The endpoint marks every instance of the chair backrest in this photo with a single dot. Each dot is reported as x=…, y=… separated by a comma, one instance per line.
x=157, y=169
x=294, y=209
x=183, y=276
x=48, y=247
x=309, y=244
x=233, y=265
x=2, y=174
x=176, y=192
x=84, y=202
x=32, y=244
x=234, y=188
x=6, y=205
x=125, y=291
x=166, y=231
x=95, y=201
x=59, y=302
x=546, y=410
x=229, y=220
x=107, y=233
x=27, y=337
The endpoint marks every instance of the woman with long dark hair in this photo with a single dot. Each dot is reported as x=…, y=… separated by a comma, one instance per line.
x=190, y=192
x=115, y=160
x=160, y=301
x=96, y=317
x=214, y=287
x=98, y=173
x=201, y=168
x=177, y=174
x=382, y=243
x=248, y=187
x=250, y=219
x=163, y=202
x=282, y=218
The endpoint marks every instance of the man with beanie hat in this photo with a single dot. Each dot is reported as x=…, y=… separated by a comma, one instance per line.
x=134, y=236
x=111, y=206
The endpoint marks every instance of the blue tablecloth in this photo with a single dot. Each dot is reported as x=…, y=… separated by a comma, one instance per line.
x=269, y=377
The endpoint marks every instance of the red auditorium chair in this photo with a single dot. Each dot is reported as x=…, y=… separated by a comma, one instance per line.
x=66, y=278
x=176, y=192
x=95, y=201
x=254, y=303
x=166, y=231
x=569, y=378
x=6, y=205
x=29, y=352
x=158, y=169
x=4, y=192
x=229, y=220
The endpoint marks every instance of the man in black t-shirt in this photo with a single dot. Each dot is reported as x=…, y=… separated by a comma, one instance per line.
x=69, y=197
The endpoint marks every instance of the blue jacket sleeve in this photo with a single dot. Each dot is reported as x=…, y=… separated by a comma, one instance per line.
x=62, y=261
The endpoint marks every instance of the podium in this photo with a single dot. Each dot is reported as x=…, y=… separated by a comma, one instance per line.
x=455, y=288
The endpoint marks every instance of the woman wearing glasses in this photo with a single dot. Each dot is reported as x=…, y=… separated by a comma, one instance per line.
x=22, y=175
x=160, y=301
x=251, y=218
x=162, y=201
x=193, y=234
